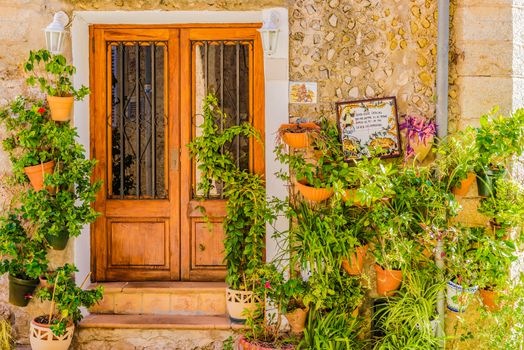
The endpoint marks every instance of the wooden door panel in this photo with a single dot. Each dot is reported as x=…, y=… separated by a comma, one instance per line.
x=208, y=246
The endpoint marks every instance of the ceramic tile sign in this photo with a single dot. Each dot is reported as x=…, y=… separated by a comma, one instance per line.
x=369, y=128
x=302, y=92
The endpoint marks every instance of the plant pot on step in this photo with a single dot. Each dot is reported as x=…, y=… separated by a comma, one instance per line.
x=42, y=338
x=355, y=263
x=421, y=148
x=240, y=304
x=58, y=242
x=297, y=320
x=298, y=135
x=245, y=344
x=313, y=194
x=490, y=299
x=21, y=291
x=486, y=179
x=463, y=187
x=36, y=173
x=458, y=297
x=388, y=281
x=60, y=107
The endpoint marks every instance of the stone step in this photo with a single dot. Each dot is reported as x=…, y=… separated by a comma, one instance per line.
x=162, y=298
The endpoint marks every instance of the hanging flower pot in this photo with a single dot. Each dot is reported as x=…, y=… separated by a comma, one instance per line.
x=21, y=291
x=486, y=179
x=58, y=242
x=42, y=338
x=297, y=320
x=36, y=173
x=421, y=147
x=459, y=297
x=463, y=187
x=388, y=281
x=240, y=304
x=355, y=263
x=60, y=107
x=313, y=194
x=489, y=299
x=245, y=344
x=298, y=135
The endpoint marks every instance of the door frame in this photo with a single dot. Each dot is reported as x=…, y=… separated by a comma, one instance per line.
x=276, y=89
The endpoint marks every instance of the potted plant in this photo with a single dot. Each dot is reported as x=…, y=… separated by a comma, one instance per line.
x=499, y=139
x=28, y=142
x=298, y=135
x=54, y=79
x=458, y=157
x=420, y=133
x=23, y=258
x=55, y=329
x=247, y=210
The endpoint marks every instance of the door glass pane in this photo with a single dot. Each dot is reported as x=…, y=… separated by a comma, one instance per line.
x=223, y=68
x=137, y=126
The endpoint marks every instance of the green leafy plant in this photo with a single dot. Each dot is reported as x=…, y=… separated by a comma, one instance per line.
x=22, y=256
x=66, y=299
x=460, y=249
x=506, y=207
x=52, y=74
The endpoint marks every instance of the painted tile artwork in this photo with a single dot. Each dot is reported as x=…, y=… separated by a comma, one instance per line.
x=369, y=128
x=302, y=92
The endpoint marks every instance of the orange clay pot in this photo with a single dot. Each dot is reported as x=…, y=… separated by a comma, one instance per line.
x=464, y=185
x=388, y=281
x=313, y=194
x=297, y=320
x=298, y=139
x=350, y=195
x=36, y=173
x=489, y=299
x=244, y=344
x=60, y=107
x=354, y=265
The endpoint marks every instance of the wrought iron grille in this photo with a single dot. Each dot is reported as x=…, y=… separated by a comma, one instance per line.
x=137, y=124
x=224, y=68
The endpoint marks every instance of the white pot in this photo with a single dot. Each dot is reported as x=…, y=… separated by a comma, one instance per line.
x=42, y=338
x=459, y=297
x=240, y=304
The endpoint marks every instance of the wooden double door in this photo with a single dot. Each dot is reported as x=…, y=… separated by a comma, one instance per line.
x=148, y=84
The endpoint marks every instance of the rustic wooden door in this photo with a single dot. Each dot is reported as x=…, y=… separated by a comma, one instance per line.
x=147, y=86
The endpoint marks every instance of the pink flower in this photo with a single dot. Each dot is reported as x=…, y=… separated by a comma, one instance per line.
x=267, y=285
x=41, y=110
x=28, y=296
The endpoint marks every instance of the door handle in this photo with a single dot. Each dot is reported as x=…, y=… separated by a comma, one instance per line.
x=175, y=159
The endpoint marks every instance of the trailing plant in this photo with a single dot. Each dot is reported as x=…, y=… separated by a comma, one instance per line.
x=52, y=74
x=66, y=299
x=338, y=292
x=22, y=256
x=506, y=207
x=460, y=251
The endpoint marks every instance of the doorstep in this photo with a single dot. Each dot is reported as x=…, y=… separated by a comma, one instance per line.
x=219, y=322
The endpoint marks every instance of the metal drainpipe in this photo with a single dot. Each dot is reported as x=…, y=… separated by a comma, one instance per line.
x=442, y=125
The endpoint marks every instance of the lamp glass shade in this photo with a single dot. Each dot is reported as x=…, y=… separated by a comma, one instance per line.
x=54, y=40
x=269, y=40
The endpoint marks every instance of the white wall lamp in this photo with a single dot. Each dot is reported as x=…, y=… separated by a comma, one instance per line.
x=269, y=32
x=55, y=32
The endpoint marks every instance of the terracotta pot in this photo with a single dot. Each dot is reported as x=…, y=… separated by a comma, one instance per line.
x=314, y=194
x=297, y=320
x=298, y=139
x=350, y=196
x=36, y=173
x=463, y=188
x=244, y=344
x=489, y=299
x=60, y=107
x=422, y=148
x=42, y=338
x=240, y=304
x=354, y=265
x=388, y=281
x=459, y=297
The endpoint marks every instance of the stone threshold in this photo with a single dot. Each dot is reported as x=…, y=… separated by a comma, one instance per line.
x=197, y=322
x=161, y=287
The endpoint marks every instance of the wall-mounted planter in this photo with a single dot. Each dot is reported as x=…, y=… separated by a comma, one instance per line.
x=355, y=263
x=486, y=180
x=42, y=338
x=297, y=320
x=489, y=299
x=459, y=297
x=36, y=173
x=313, y=194
x=298, y=135
x=421, y=148
x=21, y=291
x=388, y=281
x=60, y=107
x=58, y=242
x=240, y=304
x=463, y=187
